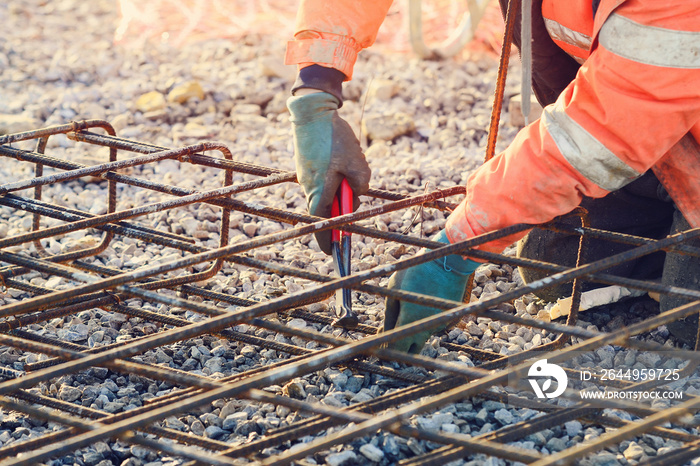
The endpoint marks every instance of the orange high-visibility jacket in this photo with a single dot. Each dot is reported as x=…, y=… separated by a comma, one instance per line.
x=634, y=105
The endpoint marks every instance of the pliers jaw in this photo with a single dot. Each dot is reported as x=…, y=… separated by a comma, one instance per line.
x=341, y=251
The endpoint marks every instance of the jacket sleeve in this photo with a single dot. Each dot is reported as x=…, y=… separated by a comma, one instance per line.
x=330, y=33
x=635, y=97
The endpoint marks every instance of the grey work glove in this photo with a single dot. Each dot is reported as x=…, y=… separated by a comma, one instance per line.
x=326, y=150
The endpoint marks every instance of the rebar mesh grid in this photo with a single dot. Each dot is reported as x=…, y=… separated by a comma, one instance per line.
x=180, y=298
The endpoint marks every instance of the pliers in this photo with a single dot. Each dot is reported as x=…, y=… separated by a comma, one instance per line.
x=341, y=253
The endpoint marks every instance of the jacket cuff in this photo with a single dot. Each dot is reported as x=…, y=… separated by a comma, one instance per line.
x=324, y=79
x=332, y=51
x=458, y=228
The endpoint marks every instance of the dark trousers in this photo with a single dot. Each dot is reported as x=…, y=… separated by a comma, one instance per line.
x=642, y=208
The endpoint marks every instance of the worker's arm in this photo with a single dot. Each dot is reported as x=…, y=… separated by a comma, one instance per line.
x=635, y=97
x=329, y=35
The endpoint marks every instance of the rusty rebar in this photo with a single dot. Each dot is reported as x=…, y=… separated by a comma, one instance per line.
x=98, y=286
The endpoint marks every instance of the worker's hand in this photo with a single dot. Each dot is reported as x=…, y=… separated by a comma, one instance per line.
x=444, y=278
x=326, y=150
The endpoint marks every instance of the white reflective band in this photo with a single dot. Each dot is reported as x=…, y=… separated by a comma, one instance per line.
x=564, y=34
x=649, y=44
x=584, y=152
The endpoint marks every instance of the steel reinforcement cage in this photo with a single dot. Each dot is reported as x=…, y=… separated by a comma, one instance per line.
x=181, y=283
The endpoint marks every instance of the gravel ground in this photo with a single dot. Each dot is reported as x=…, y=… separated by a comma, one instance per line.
x=424, y=125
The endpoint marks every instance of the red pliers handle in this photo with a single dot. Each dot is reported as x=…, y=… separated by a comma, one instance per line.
x=341, y=252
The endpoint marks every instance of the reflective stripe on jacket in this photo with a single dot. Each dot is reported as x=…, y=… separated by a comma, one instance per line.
x=570, y=24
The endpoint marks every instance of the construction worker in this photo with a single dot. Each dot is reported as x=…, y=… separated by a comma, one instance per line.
x=620, y=80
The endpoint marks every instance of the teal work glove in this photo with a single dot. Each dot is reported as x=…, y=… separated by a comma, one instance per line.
x=444, y=278
x=325, y=151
